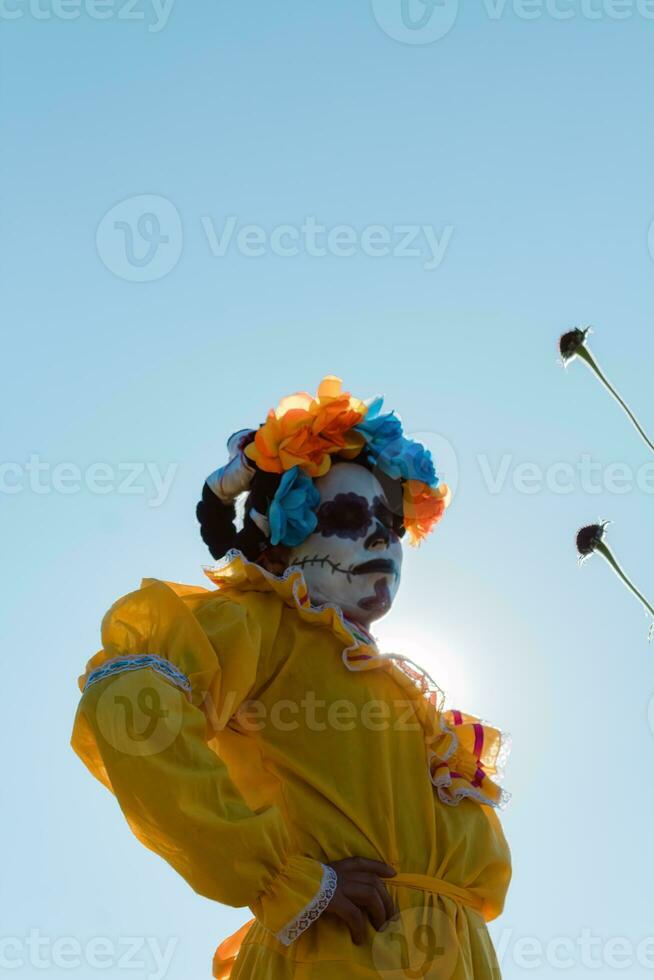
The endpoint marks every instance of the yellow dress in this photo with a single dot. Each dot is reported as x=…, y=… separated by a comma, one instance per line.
x=251, y=738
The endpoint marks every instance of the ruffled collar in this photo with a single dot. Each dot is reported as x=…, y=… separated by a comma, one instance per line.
x=463, y=752
x=234, y=571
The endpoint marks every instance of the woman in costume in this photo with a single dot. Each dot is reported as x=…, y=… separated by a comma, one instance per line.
x=257, y=740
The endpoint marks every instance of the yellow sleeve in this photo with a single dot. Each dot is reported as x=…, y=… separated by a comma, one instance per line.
x=142, y=729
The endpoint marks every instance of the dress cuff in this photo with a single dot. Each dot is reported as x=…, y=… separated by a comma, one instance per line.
x=313, y=910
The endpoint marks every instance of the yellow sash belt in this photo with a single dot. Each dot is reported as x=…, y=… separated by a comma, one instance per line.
x=228, y=950
x=437, y=886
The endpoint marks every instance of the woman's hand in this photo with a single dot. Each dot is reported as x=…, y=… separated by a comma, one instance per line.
x=361, y=893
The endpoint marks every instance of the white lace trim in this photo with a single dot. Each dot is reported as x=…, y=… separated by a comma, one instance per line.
x=504, y=751
x=119, y=665
x=314, y=909
x=421, y=678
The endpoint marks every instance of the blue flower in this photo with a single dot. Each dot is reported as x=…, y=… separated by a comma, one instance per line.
x=292, y=511
x=404, y=459
x=378, y=430
x=386, y=447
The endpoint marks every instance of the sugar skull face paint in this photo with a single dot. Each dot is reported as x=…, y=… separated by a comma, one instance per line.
x=348, y=515
x=354, y=557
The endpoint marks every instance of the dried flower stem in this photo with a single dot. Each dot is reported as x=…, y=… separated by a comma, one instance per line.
x=583, y=352
x=607, y=553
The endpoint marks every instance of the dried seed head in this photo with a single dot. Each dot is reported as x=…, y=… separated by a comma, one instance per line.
x=588, y=539
x=570, y=343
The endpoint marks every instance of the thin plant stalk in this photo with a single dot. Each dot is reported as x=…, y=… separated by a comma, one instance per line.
x=590, y=540
x=573, y=344
x=586, y=356
x=607, y=553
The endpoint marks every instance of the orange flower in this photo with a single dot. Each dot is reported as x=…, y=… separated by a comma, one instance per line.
x=304, y=431
x=423, y=508
x=336, y=414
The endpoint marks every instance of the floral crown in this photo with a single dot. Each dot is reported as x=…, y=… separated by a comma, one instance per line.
x=299, y=441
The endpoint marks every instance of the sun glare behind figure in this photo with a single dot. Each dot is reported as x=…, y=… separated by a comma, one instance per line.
x=430, y=653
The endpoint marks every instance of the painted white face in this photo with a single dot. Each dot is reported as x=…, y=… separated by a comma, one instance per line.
x=354, y=557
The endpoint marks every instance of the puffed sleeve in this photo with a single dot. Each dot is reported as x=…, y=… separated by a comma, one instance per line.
x=152, y=698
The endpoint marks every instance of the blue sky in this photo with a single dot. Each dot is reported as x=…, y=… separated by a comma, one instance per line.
x=511, y=158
